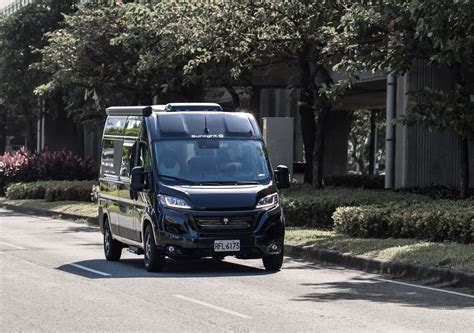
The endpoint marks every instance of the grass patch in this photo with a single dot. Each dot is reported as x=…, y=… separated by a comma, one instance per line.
x=87, y=209
x=446, y=254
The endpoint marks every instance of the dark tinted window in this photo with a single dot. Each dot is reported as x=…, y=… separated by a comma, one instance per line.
x=111, y=157
x=133, y=126
x=114, y=125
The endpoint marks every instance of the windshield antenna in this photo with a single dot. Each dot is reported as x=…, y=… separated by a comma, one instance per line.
x=206, y=130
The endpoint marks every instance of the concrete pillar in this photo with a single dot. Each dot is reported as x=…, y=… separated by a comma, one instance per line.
x=423, y=157
x=278, y=137
x=335, y=148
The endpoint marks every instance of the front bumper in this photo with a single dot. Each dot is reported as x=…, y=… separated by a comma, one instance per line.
x=189, y=236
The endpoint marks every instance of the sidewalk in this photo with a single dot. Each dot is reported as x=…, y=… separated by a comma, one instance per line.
x=430, y=275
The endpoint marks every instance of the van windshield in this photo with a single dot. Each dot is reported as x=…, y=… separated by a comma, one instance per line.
x=209, y=161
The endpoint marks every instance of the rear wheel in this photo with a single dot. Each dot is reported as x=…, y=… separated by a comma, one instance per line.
x=112, y=247
x=154, y=260
x=274, y=262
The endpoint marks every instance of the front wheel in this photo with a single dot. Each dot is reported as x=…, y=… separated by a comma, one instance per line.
x=154, y=260
x=112, y=247
x=274, y=262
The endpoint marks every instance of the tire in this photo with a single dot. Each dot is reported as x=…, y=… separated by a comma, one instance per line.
x=112, y=247
x=154, y=260
x=273, y=263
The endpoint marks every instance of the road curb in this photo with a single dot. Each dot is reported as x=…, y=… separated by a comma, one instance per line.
x=93, y=221
x=434, y=275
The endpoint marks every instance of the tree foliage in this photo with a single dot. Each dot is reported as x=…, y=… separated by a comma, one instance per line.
x=21, y=34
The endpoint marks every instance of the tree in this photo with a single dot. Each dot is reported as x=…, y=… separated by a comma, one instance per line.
x=231, y=39
x=291, y=32
x=82, y=63
x=224, y=47
x=20, y=35
x=117, y=54
x=391, y=34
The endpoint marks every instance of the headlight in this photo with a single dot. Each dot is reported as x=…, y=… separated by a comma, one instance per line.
x=269, y=201
x=172, y=202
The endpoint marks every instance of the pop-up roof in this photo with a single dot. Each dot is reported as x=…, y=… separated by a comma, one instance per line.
x=197, y=124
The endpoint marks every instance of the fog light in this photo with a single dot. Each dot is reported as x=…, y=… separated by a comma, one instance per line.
x=170, y=248
x=274, y=247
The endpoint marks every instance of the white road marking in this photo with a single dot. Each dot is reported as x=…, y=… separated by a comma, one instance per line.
x=13, y=246
x=215, y=307
x=90, y=270
x=424, y=287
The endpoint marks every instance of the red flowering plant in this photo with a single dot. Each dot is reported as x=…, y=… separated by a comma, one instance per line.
x=25, y=166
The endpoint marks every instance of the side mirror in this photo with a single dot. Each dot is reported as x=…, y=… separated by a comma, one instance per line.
x=138, y=179
x=282, y=177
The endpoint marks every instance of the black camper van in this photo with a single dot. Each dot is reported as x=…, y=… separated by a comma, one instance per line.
x=188, y=181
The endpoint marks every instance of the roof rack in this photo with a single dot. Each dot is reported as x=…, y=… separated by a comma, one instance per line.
x=172, y=107
x=144, y=111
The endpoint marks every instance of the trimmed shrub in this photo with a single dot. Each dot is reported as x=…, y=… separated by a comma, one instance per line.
x=35, y=190
x=438, y=192
x=437, y=221
x=73, y=191
x=304, y=206
x=52, y=190
x=357, y=181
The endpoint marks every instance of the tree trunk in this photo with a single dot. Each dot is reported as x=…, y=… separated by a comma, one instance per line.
x=321, y=125
x=3, y=130
x=306, y=109
x=235, y=97
x=464, y=168
x=373, y=142
x=255, y=102
x=30, y=119
x=30, y=135
x=308, y=129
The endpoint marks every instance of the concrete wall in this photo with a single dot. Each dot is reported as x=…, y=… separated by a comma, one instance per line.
x=423, y=157
x=278, y=136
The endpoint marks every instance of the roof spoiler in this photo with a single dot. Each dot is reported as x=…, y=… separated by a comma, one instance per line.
x=172, y=107
x=144, y=111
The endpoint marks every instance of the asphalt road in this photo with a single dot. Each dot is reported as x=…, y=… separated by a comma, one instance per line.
x=53, y=277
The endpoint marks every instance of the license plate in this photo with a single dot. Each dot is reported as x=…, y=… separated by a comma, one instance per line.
x=226, y=245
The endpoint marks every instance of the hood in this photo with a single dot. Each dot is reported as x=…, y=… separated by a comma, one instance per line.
x=235, y=197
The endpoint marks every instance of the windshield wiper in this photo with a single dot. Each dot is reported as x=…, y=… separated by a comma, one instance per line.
x=178, y=179
x=231, y=182
x=210, y=183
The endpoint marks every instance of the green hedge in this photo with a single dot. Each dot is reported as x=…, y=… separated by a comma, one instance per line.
x=305, y=207
x=442, y=220
x=356, y=181
x=52, y=190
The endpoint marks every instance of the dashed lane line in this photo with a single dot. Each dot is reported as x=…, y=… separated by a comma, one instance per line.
x=215, y=307
x=13, y=246
x=90, y=270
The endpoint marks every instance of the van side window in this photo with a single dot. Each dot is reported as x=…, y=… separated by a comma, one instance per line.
x=133, y=126
x=144, y=157
x=111, y=157
x=127, y=158
x=114, y=125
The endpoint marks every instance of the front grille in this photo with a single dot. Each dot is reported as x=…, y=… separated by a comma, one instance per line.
x=219, y=223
